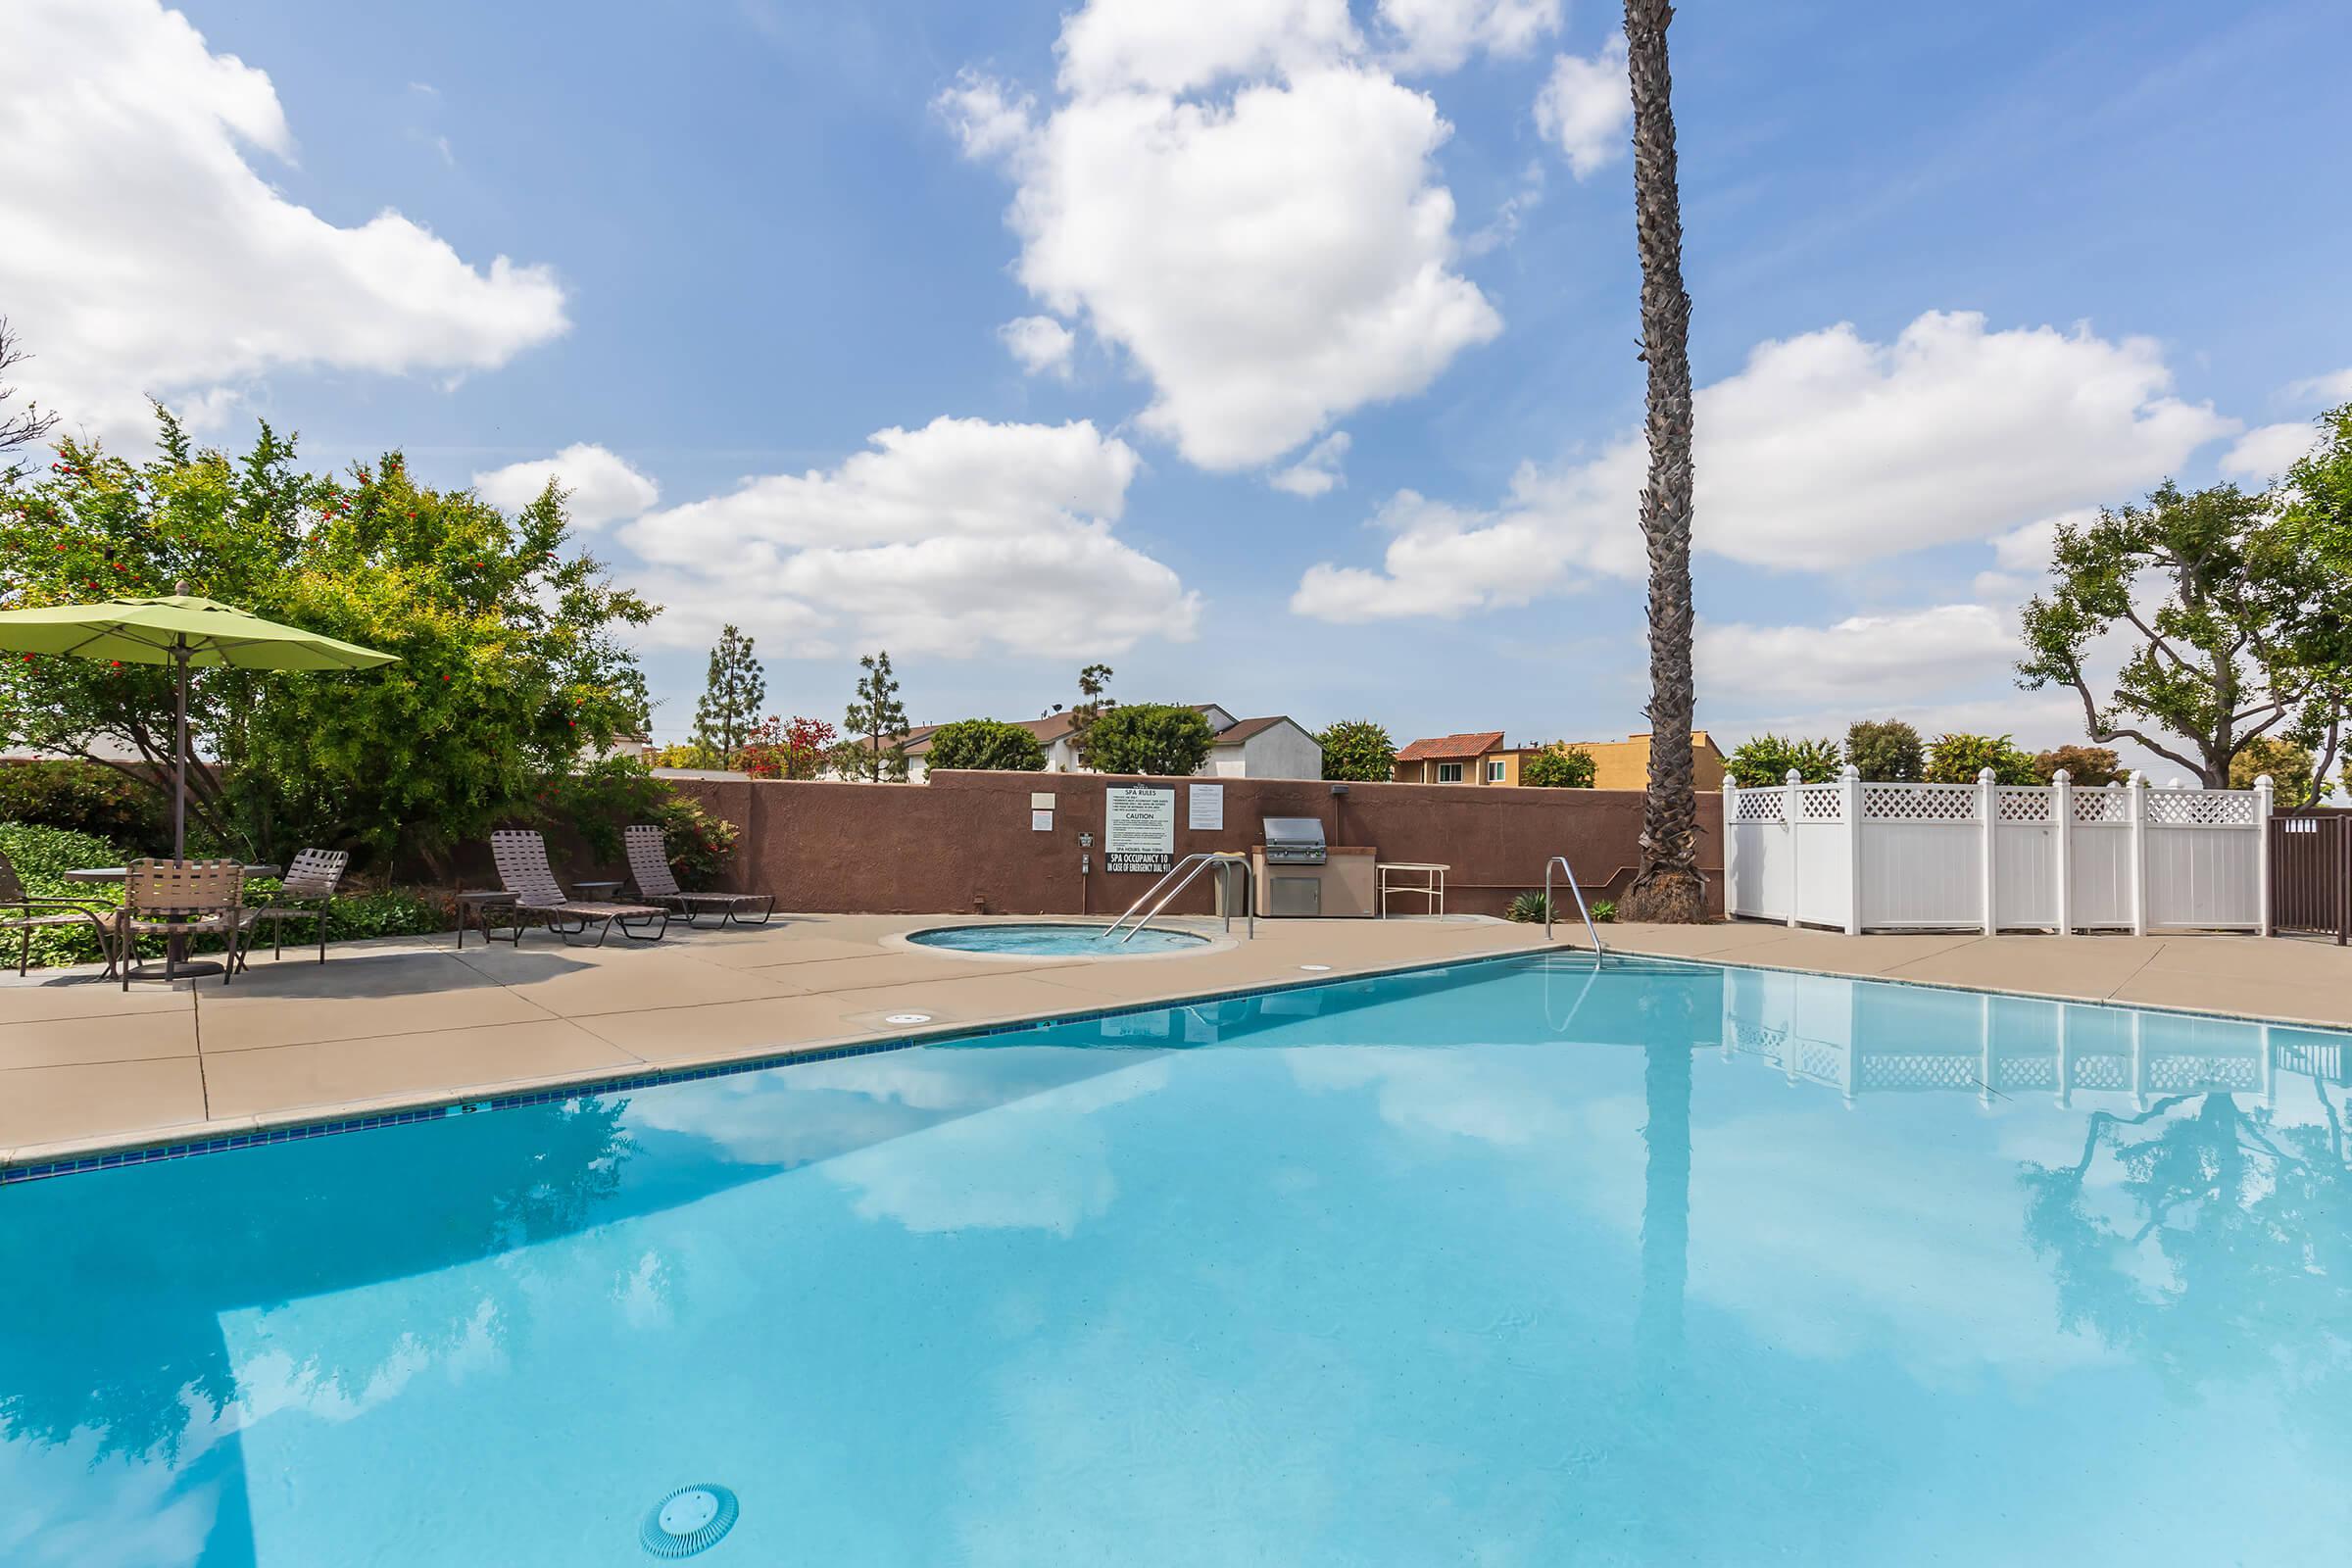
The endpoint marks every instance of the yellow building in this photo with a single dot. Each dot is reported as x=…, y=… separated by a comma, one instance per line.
x=1479, y=757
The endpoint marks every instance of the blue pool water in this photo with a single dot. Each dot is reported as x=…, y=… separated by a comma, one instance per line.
x=1513, y=1264
x=1052, y=941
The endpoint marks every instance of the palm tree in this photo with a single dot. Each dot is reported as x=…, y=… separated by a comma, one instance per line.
x=1668, y=886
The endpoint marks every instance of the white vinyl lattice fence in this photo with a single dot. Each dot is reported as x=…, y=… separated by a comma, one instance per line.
x=1992, y=857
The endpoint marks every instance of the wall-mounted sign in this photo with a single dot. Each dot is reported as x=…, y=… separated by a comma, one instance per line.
x=1204, y=808
x=1041, y=821
x=1138, y=829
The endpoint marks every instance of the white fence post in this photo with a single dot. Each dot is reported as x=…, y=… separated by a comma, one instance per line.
x=1731, y=849
x=2261, y=853
x=2062, y=847
x=2137, y=815
x=1849, y=808
x=1988, y=814
x=1788, y=806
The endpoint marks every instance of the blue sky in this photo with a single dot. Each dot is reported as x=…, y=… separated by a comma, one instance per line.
x=2073, y=250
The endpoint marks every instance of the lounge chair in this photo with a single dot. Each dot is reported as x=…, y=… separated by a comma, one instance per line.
x=306, y=894
x=649, y=867
x=28, y=912
x=181, y=899
x=523, y=871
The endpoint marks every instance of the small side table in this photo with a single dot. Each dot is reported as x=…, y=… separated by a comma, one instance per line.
x=598, y=892
x=477, y=902
x=1432, y=885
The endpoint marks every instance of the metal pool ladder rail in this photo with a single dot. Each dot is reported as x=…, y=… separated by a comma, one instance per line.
x=1181, y=874
x=1591, y=930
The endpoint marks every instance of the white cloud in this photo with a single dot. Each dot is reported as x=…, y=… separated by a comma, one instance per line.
x=1042, y=343
x=1586, y=108
x=1271, y=260
x=1440, y=35
x=1896, y=657
x=2333, y=389
x=604, y=487
x=1319, y=472
x=145, y=256
x=2268, y=451
x=958, y=539
x=1824, y=451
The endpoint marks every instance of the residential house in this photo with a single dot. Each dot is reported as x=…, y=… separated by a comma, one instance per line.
x=1479, y=757
x=1274, y=747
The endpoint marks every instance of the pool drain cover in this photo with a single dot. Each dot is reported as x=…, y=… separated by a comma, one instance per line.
x=907, y=1017
x=689, y=1520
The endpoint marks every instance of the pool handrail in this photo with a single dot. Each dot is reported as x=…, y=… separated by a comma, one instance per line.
x=1591, y=930
x=1191, y=866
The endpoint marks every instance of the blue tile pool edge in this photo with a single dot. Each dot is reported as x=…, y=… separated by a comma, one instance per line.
x=136, y=1151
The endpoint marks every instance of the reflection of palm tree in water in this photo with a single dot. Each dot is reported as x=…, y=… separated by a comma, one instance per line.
x=2254, y=1221
x=1665, y=1210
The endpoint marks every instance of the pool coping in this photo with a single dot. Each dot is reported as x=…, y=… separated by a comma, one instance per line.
x=43, y=1161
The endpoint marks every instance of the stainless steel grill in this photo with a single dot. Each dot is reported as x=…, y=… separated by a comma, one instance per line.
x=1294, y=841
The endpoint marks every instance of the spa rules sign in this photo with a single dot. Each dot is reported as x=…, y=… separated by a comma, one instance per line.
x=1138, y=829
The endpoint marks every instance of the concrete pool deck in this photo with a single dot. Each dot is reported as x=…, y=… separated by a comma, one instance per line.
x=396, y=1025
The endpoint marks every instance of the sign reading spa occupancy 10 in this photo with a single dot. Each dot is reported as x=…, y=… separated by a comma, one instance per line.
x=1138, y=829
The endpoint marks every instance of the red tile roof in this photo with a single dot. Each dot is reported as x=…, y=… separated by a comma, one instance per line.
x=1449, y=748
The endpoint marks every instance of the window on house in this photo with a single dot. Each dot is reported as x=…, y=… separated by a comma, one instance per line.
x=1449, y=772
x=1495, y=771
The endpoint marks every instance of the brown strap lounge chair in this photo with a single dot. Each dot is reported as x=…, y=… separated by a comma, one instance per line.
x=523, y=871
x=306, y=894
x=648, y=866
x=180, y=898
x=28, y=912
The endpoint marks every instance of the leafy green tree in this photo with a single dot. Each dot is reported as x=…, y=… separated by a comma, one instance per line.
x=512, y=667
x=732, y=692
x=876, y=725
x=1558, y=767
x=2233, y=630
x=1156, y=738
x=2094, y=765
x=1885, y=750
x=987, y=743
x=1959, y=758
x=2315, y=526
x=1765, y=759
x=1357, y=748
x=2289, y=767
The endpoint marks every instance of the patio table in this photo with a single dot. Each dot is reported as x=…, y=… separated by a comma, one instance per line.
x=176, y=956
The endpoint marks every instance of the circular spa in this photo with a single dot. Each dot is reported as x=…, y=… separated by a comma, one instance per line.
x=1043, y=941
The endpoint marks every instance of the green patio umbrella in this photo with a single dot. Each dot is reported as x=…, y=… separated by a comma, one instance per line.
x=184, y=631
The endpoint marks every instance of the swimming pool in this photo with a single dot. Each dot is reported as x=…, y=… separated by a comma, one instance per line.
x=1511, y=1262
x=1055, y=940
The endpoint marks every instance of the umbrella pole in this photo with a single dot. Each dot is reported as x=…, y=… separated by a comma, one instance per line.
x=180, y=753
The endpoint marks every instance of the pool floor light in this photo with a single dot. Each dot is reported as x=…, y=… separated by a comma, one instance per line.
x=690, y=1520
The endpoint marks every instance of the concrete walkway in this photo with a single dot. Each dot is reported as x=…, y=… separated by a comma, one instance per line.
x=2289, y=981
x=392, y=1025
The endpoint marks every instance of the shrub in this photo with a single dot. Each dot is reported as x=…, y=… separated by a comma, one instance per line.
x=1958, y=758
x=1357, y=748
x=598, y=801
x=84, y=797
x=1153, y=738
x=1766, y=759
x=1559, y=767
x=2289, y=765
x=775, y=749
x=989, y=744
x=1528, y=909
x=692, y=754
x=2095, y=765
x=1604, y=911
x=1886, y=750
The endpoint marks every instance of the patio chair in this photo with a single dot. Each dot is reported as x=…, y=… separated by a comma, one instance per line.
x=181, y=899
x=28, y=912
x=306, y=894
x=523, y=871
x=649, y=867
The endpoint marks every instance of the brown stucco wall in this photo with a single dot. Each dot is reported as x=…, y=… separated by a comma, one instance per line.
x=963, y=840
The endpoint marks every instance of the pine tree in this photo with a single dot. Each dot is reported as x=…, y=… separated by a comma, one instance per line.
x=876, y=724
x=731, y=696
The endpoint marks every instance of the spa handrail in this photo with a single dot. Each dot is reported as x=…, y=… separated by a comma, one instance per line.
x=1191, y=866
x=1591, y=930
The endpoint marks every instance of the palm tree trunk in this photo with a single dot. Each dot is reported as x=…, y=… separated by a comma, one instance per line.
x=1668, y=886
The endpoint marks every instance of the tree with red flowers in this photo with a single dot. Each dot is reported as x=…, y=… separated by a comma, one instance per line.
x=775, y=749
